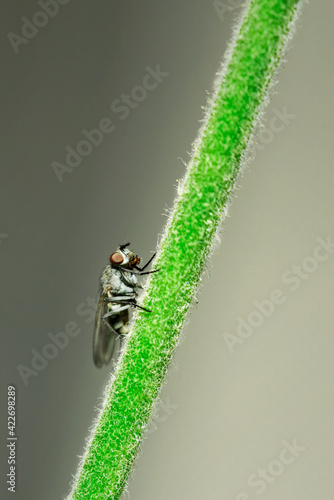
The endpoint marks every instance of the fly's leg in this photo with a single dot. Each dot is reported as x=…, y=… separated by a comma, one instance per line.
x=120, y=299
x=140, y=274
x=115, y=298
x=149, y=272
x=147, y=263
x=130, y=302
x=113, y=313
x=142, y=308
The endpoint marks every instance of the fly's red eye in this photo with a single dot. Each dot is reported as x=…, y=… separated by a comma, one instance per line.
x=116, y=258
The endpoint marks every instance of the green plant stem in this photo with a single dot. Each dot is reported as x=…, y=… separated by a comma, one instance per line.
x=241, y=88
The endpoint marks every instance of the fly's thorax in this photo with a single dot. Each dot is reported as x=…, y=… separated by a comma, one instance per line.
x=127, y=281
x=130, y=278
x=119, y=280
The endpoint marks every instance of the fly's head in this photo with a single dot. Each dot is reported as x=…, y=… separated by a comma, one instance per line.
x=124, y=257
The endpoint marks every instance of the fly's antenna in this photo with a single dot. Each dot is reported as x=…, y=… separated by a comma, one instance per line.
x=121, y=247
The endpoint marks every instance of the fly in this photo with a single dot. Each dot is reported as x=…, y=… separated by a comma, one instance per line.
x=118, y=292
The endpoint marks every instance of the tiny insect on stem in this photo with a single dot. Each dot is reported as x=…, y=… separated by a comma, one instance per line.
x=118, y=294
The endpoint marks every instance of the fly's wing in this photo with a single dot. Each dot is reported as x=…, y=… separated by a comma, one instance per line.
x=104, y=340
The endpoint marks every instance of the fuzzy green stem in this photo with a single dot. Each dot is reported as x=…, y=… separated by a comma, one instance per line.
x=240, y=91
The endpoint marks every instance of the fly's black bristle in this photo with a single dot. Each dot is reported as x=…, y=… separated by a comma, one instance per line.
x=121, y=247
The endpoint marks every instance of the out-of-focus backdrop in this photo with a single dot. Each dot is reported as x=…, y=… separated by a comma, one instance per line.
x=248, y=407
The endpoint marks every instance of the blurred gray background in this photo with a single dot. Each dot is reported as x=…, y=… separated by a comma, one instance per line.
x=224, y=416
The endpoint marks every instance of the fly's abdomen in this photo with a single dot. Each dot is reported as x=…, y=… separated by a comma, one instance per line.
x=120, y=321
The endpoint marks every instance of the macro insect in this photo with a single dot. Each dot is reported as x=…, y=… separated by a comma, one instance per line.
x=118, y=292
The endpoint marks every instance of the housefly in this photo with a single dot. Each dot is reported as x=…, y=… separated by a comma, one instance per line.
x=118, y=292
